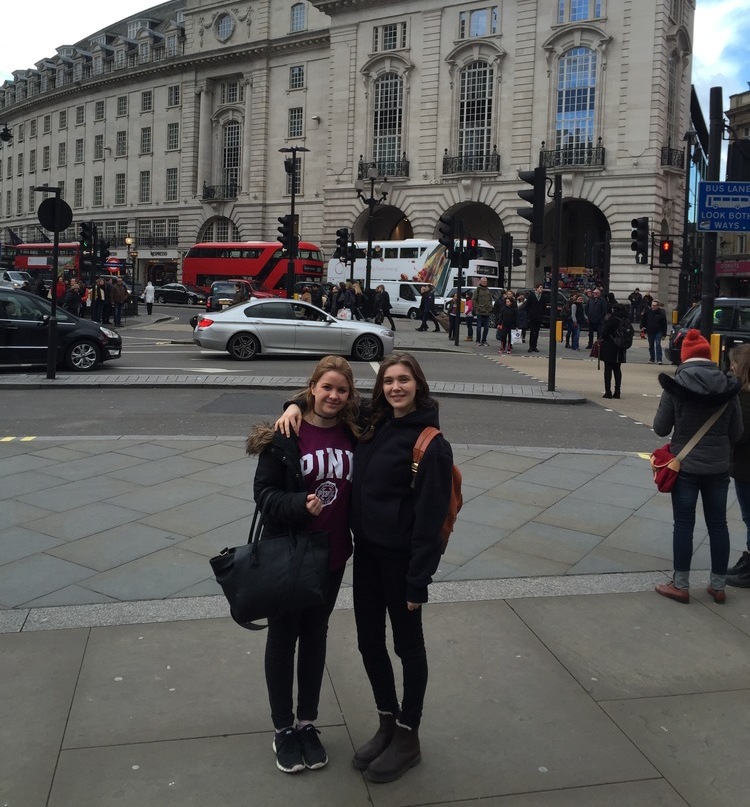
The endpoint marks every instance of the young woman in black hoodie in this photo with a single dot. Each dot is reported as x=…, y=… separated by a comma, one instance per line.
x=396, y=521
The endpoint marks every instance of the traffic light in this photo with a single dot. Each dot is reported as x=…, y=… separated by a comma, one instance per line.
x=517, y=257
x=472, y=249
x=640, y=237
x=351, y=252
x=342, y=244
x=86, y=239
x=665, y=251
x=447, y=237
x=536, y=195
x=104, y=252
x=506, y=249
x=285, y=232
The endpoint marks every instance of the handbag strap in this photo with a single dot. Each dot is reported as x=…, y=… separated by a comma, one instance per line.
x=698, y=436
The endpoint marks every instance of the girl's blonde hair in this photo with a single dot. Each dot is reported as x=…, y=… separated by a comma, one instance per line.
x=739, y=358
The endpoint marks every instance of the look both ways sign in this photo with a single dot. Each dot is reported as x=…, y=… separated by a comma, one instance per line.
x=724, y=206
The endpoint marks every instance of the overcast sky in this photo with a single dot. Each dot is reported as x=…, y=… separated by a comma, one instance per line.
x=32, y=30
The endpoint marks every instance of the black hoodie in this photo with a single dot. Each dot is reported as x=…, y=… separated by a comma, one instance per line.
x=389, y=517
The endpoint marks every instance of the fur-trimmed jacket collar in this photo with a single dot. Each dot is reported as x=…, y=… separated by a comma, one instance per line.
x=702, y=383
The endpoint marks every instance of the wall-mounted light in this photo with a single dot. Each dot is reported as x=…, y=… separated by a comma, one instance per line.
x=316, y=118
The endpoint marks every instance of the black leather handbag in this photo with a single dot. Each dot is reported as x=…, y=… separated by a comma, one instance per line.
x=278, y=574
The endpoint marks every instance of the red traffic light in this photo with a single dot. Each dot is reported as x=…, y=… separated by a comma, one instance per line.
x=665, y=251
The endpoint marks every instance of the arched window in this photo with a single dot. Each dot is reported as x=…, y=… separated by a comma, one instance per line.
x=387, y=122
x=673, y=105
x=297, y=21
x=576, y=104
x=230, y=157
x=219, y=229
x=475, y=115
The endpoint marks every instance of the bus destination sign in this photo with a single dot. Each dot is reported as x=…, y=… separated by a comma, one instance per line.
x=724, y=207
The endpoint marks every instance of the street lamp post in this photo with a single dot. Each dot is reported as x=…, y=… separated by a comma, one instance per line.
x=132, y=257
x=372, y=202
x=290, y=166
x=684, y=280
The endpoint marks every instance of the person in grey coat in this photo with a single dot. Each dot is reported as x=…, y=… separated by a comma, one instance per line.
x=698, y=390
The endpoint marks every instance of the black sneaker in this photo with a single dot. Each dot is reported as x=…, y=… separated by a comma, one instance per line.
x=742, y=566
x=741, y=580
x=288, y=751
x=312, y=749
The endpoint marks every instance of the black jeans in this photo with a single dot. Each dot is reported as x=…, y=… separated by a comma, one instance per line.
x=379, y=585
x=612, y=368
x=534, y=328
x=310, y=628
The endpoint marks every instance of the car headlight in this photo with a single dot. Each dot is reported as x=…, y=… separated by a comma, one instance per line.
x=387, y=333
x=109, y=334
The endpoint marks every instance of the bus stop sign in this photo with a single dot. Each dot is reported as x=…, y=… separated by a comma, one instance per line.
x=724, y=207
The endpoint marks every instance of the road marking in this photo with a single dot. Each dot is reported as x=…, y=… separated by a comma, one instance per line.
x=20, y=439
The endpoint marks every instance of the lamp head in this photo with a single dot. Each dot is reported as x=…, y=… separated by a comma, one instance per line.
x=6, y=135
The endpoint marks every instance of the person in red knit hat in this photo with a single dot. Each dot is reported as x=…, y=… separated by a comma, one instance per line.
x=698, y=390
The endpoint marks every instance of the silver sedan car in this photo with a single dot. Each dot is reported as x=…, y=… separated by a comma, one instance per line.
x=279, y=326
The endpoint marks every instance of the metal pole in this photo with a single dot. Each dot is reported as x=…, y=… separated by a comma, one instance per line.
x=459, y=281
x=682, y=287
x=370, y=210
x=52, y=333
x=556, y=241
x=292, y=234
x=708, y=292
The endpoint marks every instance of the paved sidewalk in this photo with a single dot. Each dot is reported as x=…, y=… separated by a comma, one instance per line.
x=557, y=676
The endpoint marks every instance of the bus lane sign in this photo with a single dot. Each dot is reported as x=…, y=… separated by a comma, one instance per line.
x=724, y=207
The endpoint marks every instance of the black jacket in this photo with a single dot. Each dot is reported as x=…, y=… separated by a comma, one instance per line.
x=535, y=307
x=741, y=459
x=697, y=390
x=608, y=351
x=654, y=321
x=391, y=518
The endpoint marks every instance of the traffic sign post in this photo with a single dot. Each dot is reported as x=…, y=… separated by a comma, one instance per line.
x=723, y=207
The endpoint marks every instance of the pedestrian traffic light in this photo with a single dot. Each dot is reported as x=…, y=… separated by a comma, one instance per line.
x=447, y=235
x=104, y=252
x=517, y=257
x=472, y=249
x=536, y=195
x=640, y=239
x=342, y=244
x=665, y=251
x=285, y=232
x=506, y=249
x=86, y=239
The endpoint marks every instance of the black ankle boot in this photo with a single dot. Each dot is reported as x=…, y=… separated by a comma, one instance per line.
x=616, y=393
x=402, y=753
x=374, y=748
x=608, y=394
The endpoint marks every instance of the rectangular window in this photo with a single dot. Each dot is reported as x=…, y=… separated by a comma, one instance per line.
x=144, y=187
x=170, y=47
x=146, y=140
x=32, y=161
x=31, y=199
x=121, y=144
x=389, y=37
x=119, y=58
x=19, y=202
x=61, y=185
x=147, y=101
x=8, y=199
x=482, y=22
x=10, y=167
x=47, y=124
x=296, y=77
x=45, y=158
x=122, y=105
x=173, y=95
x=99, y=147
x=171, y=189
x=78, y=192
x=19, y=164
x=230, y=92
x=21, y=132
x=99, y=110
x=173, y=136
x=62, y=120
x=144, y=53
x=297, y=18
x=80, y=115
x=576, y=10
x=79, y=150
x=62, y=154
x=295, y=121
x=173, y=232
x=120, y=189
x=97, y=200
x=32, y=128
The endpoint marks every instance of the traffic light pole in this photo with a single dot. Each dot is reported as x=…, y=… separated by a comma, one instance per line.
x=459, y=281
x=290, y=166
x=556, y=241
x=708, y=290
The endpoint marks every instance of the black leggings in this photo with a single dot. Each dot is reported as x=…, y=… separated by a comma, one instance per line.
x=379, y=585
x=310, y=628
x=612, y=368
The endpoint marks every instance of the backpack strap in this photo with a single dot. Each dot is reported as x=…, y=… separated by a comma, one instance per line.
x=423, y=441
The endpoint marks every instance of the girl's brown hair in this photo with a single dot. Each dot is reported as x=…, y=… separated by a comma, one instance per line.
x=380, y=406
x=739, y=357
x=337, y=364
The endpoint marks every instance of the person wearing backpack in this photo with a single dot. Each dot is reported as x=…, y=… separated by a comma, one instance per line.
x=614, y=348
x=397, y=518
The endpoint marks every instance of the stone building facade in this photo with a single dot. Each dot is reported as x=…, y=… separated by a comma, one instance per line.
x=168, y=125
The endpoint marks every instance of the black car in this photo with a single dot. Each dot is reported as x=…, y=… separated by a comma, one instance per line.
x=81, y=345
x=223, y=292
x=731, y=319
x=179, y=293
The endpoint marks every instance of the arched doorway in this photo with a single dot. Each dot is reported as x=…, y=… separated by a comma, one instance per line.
x=388, y=224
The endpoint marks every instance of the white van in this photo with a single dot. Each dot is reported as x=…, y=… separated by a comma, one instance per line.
x=405, y=297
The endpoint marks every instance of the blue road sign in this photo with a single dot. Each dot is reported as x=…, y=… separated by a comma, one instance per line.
x=724, y=207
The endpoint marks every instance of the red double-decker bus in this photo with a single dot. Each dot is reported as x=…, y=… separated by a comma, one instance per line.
x=36, y=259
x=261, y=261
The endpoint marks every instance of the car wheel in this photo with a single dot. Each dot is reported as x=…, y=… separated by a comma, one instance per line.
x=161, y=299
x=190, y=301
x=367, y=348
x=243, y=347
x=413, y=313
x=82, y=356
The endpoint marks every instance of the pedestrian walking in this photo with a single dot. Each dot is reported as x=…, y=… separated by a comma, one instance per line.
x=654, y=322
x=635, y=298
x=596, y=310
x=148, y=297
x=506, y=319
x=614, y=348
x=483, y=304
x=426, y=304
x=698, y=391
x=382, y=306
